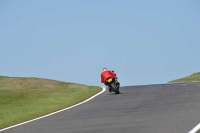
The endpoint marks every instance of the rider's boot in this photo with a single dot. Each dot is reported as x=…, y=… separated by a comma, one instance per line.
x=108, y=88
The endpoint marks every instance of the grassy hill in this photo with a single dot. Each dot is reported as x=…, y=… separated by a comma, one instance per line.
x=191, y=78
x=22, y=99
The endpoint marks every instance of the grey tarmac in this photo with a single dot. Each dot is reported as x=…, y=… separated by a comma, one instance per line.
x=162, y=108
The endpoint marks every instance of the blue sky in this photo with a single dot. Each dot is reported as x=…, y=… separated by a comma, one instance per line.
x=145, y=42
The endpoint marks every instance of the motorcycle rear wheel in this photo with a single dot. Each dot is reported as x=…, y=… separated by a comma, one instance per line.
x=115, y=88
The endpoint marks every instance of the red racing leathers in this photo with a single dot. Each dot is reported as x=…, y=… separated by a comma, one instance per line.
x=106, y=74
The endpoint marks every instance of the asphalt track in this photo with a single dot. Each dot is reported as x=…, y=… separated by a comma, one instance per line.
x=165, y=108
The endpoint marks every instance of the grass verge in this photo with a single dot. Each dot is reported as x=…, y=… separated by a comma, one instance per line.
x=22, y=99
x=191, y=78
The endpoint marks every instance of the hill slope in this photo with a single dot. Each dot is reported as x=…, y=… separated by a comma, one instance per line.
x=191, y=78
x=22, y=99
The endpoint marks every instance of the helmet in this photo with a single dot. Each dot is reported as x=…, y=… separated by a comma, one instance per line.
x=105, y=69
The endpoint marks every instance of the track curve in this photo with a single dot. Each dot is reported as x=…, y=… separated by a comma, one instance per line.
x=164, y=108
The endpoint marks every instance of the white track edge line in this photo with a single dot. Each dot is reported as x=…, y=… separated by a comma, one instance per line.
x=195, y=129
x=54, y=112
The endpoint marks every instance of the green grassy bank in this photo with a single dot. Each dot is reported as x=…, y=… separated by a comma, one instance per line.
x=191, y=78
x=22, y=99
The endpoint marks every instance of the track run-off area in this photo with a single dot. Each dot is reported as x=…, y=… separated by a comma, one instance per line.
x=161, y=108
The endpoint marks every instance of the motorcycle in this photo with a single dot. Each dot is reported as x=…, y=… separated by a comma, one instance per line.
x=113, y=84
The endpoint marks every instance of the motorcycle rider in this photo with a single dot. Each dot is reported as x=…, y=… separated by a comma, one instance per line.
x=106, y=74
